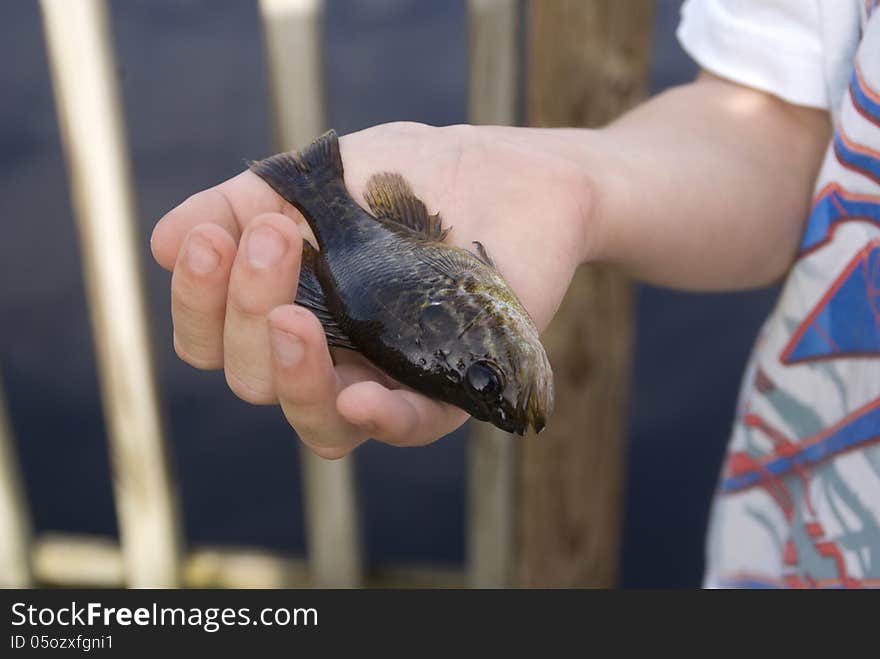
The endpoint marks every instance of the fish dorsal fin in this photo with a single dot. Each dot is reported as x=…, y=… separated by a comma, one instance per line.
x=483, y=255
x=390, y=197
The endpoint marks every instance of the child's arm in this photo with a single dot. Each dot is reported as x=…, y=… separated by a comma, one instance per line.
x=705, y=186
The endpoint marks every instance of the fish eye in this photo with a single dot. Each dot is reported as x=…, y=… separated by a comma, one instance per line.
x=485, y=380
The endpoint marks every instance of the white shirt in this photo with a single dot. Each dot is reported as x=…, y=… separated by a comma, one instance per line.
x=799, y=50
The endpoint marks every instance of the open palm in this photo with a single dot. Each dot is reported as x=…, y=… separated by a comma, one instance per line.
x=235, y=251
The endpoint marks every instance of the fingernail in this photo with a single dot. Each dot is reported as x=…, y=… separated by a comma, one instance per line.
x=200, y=256
x=288, y=349
x=265, y=247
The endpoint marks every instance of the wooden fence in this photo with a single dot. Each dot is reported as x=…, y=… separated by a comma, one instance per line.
x=150, y=552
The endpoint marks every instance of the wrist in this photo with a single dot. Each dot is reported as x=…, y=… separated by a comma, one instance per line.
x=595, y=184
x=580, y=176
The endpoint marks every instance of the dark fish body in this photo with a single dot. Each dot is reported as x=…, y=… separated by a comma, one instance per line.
x=435, y=317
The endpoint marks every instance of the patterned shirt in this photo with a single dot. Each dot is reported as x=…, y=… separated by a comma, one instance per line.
x=798, y=503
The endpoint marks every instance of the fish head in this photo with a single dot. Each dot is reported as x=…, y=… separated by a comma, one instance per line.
x=513, y=392
x=474, y=345
x=507, y=379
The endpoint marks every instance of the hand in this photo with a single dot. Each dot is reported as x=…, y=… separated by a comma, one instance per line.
x=235, y=253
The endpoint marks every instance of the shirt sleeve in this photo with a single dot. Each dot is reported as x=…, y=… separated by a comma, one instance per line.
x=772, y=45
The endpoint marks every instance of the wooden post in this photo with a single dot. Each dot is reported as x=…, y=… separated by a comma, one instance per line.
x=15, y=527
x=293, y=37
x=83, y=70
x=492, y=99
x=588, y=61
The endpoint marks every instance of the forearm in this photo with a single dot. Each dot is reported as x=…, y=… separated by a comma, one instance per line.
x=705, y=187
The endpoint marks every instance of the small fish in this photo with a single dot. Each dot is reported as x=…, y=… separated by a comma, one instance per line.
x=437, y=318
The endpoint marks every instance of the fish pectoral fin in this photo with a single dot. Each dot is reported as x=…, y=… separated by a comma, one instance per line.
x=390, y=197
x=483, y=255
x=310, y=296
x=449, y=261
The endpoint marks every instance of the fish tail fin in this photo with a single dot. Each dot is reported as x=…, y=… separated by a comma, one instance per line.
x=298, y=176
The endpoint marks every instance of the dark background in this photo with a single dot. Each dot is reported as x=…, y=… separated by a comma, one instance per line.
x=195, y=97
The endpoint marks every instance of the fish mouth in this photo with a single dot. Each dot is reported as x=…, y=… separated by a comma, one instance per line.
x=533, y=406
x=510, y=423
x=533, y=416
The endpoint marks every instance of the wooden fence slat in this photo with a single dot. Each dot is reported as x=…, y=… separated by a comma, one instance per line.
x=333, y=531
x=493, y=60
x=15, y=528
x=293, y=43
x=588, y=62
x=492, y=99
x=96, y=562
x=292, y=29
x=83, y=71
